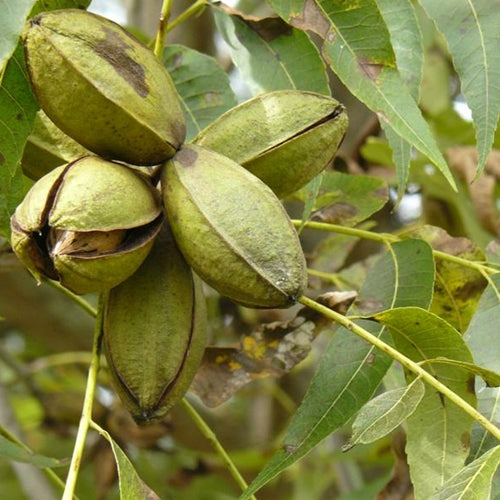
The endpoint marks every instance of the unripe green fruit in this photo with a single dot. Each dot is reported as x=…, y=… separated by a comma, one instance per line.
x=102, y=87
x=285, y=137
x=232, y=229
x=154, y=332
x=88, y=224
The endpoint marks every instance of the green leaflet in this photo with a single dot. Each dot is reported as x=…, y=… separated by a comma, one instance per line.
x=17, y=108
x=348, y=199
x=351, y=370
x=357, y=46
x=473, y=481
x=491, y=378
x=266, y=52
x=406, y=40
x=12, y=18
x=132, y=487
x=383, y=414
x=438, y=430
x=468, y=27
x=478, y=337
x=202, y=84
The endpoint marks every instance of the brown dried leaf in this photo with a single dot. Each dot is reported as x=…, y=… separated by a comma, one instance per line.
x=349, y=199
x=493, y=253
x=338, y=301
x=457, y=288
x=313, y=19
x=399, y=486
x=463, y=160
x=268, y=28
x=272, y=350
x=336, y=213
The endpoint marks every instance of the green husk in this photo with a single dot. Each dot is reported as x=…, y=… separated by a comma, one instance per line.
x=154, y=332
x=232, y=229
x=102, y=87
x=285, y=137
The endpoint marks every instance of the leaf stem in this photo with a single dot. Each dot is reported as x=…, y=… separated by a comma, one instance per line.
x=61, y=358
x=86, y=420
x=86, y=415
x=162, y=27
x=210, y=436
x=332, y=277
x=477, y=266
x=387, y=238
x=404, y=361
x=190, y=11
x=350, y=231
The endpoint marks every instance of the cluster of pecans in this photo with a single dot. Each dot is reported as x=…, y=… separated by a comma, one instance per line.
x=101, y=222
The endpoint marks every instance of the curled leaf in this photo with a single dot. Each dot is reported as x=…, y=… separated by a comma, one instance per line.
x=272, y=350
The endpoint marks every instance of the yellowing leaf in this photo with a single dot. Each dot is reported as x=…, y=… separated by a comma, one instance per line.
x=457, y=288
